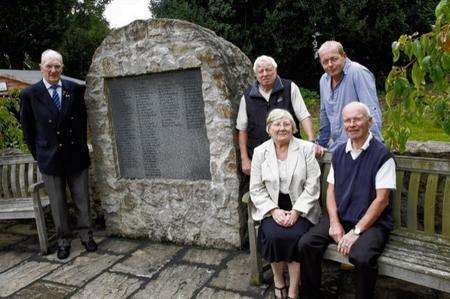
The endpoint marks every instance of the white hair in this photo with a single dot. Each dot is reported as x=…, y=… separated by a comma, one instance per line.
x=50, y=54
x=363, y=106
x=261, y=59
x=277, y=114
x=331, y=44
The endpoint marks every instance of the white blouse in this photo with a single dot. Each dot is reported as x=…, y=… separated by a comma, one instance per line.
x=284, y=180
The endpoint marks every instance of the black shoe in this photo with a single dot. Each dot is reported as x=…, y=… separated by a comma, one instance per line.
x=90, y=244
x=63, y=252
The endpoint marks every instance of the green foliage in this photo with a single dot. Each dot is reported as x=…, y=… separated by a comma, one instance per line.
x=87, y=29
x=75, y=28
x=291, y=31
x=311, y=99
x=418, y=87
x=10, y=133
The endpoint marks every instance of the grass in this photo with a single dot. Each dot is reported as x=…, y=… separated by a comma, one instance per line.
x=426, y=130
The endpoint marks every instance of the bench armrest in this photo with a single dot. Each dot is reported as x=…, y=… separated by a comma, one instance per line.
x=35, y=187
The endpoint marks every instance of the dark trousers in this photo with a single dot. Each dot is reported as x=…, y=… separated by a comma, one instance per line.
x=363, y=255
x=78, y=186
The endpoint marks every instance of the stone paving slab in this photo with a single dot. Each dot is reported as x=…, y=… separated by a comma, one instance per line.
x=119, y=246
x=178, y=281
x=44, y=290
x=236, y=276
x=109, y=285
x=11, y=258
x=23, y=275
x=205, y=256
x=76, y=249
x=219, y=294
x=145, y=262
x=82, y=269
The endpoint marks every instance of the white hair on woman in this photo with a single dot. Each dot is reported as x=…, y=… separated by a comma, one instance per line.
x=363, y=106
x=261, y=59
x=277, y=114
x=50, y=54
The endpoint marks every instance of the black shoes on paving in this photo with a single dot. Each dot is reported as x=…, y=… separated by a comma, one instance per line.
x=90, y=244
x=63, y=251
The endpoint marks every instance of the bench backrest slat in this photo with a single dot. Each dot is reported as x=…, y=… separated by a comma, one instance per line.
x=413, y=196
x=397, y=198
x=13, y=178
x=5, y=180
x=31, y=167
x=17, y=175
x=22, y=181
x=430, y=203
x=324, y=184
x=446, y=209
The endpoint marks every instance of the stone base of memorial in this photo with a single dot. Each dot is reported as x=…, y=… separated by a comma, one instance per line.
x=162, y=98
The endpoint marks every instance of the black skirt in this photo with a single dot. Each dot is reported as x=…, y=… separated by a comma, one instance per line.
x=278, y=243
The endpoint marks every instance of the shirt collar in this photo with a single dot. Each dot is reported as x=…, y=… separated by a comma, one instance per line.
x=48, y=85
x=349, y=147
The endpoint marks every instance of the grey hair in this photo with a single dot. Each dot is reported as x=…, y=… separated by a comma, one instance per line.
x=50, y=54
x=359, y=105
x=331, y=44
x=263, y=58
x=277, y=114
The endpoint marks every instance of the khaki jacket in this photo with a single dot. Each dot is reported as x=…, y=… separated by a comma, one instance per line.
x=304, y=173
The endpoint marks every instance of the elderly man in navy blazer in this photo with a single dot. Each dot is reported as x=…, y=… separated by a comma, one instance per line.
x=54, y=122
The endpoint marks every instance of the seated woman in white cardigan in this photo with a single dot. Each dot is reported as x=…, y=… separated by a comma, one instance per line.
x=284, y=190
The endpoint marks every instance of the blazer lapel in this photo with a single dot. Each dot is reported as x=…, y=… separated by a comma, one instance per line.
x=272, y=171
x=66, y=100
x=292, y=159
x=44, y=97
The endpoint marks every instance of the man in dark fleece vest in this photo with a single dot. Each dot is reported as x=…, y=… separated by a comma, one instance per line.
x=359, y=217
x=268, y=93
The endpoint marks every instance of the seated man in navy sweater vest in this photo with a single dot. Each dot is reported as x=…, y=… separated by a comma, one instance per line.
x=359, y=217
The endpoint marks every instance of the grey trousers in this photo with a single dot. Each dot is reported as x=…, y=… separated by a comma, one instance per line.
x=78, y=186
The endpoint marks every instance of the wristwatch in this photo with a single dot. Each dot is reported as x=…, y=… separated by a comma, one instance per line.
x=357, y=231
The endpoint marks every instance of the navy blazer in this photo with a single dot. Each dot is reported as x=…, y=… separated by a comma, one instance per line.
x=56, y=139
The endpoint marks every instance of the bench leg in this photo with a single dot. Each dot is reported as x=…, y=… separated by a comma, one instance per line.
x=42, y=230
x=256, y=268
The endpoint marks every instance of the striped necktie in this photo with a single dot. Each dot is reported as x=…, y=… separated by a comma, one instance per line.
x=55, y=96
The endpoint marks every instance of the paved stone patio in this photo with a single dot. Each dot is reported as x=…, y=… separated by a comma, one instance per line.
x=127, y=268
x=121, y=268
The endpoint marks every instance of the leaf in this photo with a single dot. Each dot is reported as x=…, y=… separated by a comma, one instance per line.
x=417, y=75
x=395, y=51
x=445, y=62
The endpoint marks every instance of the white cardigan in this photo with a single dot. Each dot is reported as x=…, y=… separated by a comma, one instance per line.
x=303, y=171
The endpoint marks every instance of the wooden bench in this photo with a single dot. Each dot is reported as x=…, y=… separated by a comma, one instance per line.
x=20, y=182
x=419, y=247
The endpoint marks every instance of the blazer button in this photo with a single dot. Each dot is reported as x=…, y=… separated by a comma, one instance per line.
x=71, y=117
x=49, y=121
x=72, y=142
x=60, y=145
x=57, y=132
x=70, y=131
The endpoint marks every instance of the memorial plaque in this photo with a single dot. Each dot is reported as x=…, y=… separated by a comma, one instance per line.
x=159, y=125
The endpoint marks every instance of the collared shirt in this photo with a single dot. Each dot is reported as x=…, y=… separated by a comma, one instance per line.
x=357, y=84
x=301, y=112
x=386, y=176
x=50, y=90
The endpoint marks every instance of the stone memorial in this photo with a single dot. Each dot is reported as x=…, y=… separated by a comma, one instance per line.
x=162, y=98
